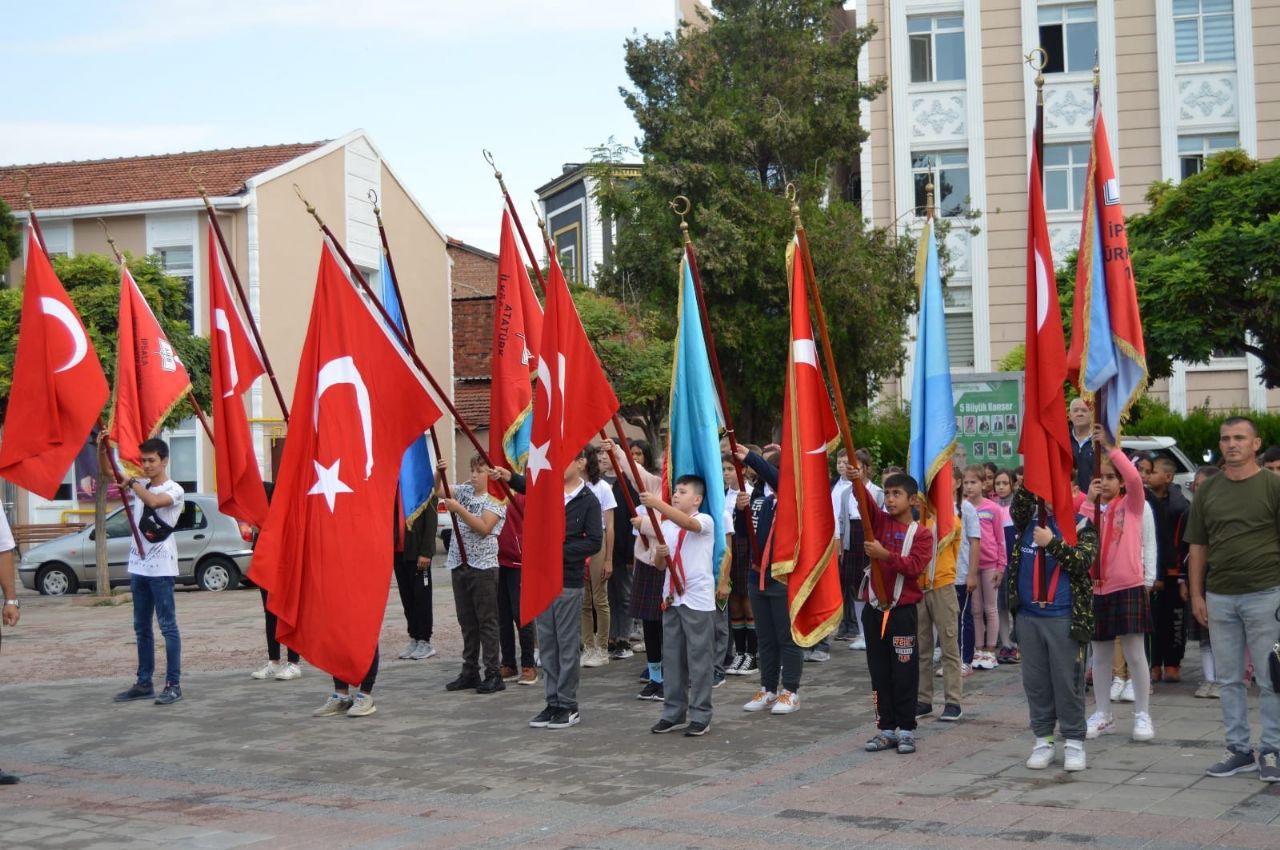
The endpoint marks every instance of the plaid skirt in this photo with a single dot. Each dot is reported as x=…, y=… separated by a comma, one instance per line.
x=646, y=592
x=1124, y=612
x=1195, y=631
x=740, y=569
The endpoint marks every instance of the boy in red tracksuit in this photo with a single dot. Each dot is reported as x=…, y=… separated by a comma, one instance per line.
x=898, y=556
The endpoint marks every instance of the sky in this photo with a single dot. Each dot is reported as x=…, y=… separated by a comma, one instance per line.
x=432, y=82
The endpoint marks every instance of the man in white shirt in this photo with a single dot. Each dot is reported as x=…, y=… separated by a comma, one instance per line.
x=9, y=586
x=156, y=502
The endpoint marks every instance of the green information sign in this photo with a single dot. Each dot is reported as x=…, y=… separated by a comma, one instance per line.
x=988, y=418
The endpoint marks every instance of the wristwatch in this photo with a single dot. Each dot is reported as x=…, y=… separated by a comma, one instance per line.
x=13, y=602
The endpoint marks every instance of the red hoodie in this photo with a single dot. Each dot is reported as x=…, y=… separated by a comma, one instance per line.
x=910, y=565
x=511, y=538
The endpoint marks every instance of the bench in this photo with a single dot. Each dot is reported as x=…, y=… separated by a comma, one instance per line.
x=33, y=534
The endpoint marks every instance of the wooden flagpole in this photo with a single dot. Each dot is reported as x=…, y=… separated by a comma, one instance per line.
x=710, y=343
x=511, y=207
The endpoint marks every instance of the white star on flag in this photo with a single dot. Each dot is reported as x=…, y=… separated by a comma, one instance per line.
x=328, y=484
x=537, y=460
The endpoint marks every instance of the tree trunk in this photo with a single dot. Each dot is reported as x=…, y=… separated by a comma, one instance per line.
x=103, y=572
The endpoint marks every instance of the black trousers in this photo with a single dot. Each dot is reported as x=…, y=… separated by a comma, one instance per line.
x=1169, y=627
x=779, y=657
x=273, y=645
x=509, y=620
x=369, y=678
x=415, y=598
x=853, y=564
x=894, y=665
x=475, y=595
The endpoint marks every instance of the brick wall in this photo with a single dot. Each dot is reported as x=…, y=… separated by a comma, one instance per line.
x=475, y=272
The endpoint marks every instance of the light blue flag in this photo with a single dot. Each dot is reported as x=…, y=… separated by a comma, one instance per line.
x=417, y=472
x=933, y=413
x=693, y=446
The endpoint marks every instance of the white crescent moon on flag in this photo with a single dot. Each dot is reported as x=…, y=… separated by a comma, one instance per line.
x=544, y=378
x=55, y=308
x=342, y=370
x=1042, y=291
x=221, y=322
x=805, y=351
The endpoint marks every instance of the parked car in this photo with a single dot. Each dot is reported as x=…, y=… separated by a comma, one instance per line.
x=1164, y=447
x=213, y=552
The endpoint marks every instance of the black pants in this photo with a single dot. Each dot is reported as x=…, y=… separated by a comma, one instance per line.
x=1169, y=627
x=652, y=630
x=894, y=666
x=369, y=678
x=853, y=564
x=779, y=657
x=415, y=598
x=509, y=620
x=273, y=645
x=475, y=594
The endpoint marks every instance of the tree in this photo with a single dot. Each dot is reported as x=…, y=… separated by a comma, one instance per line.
x=765, y=94
x=1206, y=257
x=10, y=239
x=93, y=282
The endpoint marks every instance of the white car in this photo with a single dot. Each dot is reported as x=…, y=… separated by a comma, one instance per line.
x=1164, y=447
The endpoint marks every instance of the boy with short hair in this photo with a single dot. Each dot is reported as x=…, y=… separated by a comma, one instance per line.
x=689, y=606
x=898, y=556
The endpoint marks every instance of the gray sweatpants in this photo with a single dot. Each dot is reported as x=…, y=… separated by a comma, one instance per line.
x=688, y=643
x=1053, y=673
x=721, y=640
x=559, y=637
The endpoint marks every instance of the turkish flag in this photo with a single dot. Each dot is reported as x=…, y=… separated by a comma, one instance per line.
x=1045, y=445
x=804, y=528
x=58, y=389
x=235, y=364
x=572, y=403
x=150, y=379
x=325, y=553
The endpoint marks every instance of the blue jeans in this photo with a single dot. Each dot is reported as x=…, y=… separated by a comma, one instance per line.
x=155, y=594
x=1235, y=622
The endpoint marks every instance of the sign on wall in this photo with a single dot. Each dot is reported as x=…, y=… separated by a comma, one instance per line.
x=988, y=418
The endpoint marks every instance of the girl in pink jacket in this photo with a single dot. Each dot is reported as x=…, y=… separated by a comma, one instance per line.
x=990, y=569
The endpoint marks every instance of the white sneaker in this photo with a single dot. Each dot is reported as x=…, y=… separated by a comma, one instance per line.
x=289, y=672
x=1126, y=693
x=762, y=700
x=361, y=706
x=1041, y=754
x=819, y=656
x=1073, y=756
x=788, y=702
x=937, y=672
x=859, y=643
x=424, y=650
x=1100, y=724
x=937, y=654
x=1117, y=688
x=1143, y=728
x=408, y=650
x=266, y=671
x=592, y=658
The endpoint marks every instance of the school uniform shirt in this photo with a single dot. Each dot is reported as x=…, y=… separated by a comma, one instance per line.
x=6, y=535
x=845, y=507
x=695, y=560
x=604, y=494
x=970, y=530
x=1150, y=546
x=159, y=559
x=482, y=550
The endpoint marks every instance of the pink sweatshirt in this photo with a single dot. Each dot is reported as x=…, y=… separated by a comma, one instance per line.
x=991, y=555
x=1121, y=535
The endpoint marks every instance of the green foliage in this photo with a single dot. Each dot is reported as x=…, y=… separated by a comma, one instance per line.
x=10, y=238
x=1015, y=360
x=636, y=360
x=884, y=434
x=765, y=96
x=93, y=282
x=1197, y=432
x=1207, y=261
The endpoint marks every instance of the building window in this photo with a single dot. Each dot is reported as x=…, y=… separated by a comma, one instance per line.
x=949, y=172
x=184, y=459
x=1065, y=170
x=1192, y=150
x=1069, y=37
x=1203, y=31
x=937, y=48
x=568, y=264
x=960, y=339
x=171, y=239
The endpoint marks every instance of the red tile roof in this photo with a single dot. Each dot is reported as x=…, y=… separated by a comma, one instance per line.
x=143, y=178
x=472, y=400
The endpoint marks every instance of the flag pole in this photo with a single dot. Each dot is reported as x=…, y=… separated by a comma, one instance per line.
x=710, y=343
x=191, y=396
x=511, y=206
x=31, y=211
x=1100, y=399
x=846, y=433
x=358, y=277
x=244, y=298
x=408, y=334
x=1037, y=59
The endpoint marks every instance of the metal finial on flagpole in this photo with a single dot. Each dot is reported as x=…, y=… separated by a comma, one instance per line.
x=297, y=190
x=377, y=211
x=191, y=172
x=928, y=199
x=26, y=190
x=793, y=195
x=681, y=205
x=542, y=225
x=1097, y=73
x=111, y=241
x=1037, y=59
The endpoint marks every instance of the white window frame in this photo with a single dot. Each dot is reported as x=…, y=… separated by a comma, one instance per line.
x=189, y=428
x=1062, y=8
x=1199, y=17
x=935, y=169
x=1074, y=204
x=180, y=230
x=1204, y=151
x=934, y=31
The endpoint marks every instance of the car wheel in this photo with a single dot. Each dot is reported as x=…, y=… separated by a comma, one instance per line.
x=217, y=574
x=56, y=579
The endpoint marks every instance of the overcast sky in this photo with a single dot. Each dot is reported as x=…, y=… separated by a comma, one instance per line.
x=433, y=82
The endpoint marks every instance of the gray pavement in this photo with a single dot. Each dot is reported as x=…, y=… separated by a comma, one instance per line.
x=241, y=763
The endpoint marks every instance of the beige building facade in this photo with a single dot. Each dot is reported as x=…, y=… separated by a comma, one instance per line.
x=275, y=246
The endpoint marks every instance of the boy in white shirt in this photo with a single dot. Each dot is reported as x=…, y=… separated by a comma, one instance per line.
x=688, y=618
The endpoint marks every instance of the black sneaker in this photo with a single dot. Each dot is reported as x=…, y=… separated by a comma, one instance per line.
x=1233, y=763
x=923, y=709
x=951, y=712
x=491, y=685
x=170, y=695
x=564, y=718
x=662, y=727
x=8, y=778
x=463, y=683
x=135, y=691
x=696, y=730
x=749, y=666
x=717, y=681
x=542, y=718
x=652, y=691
